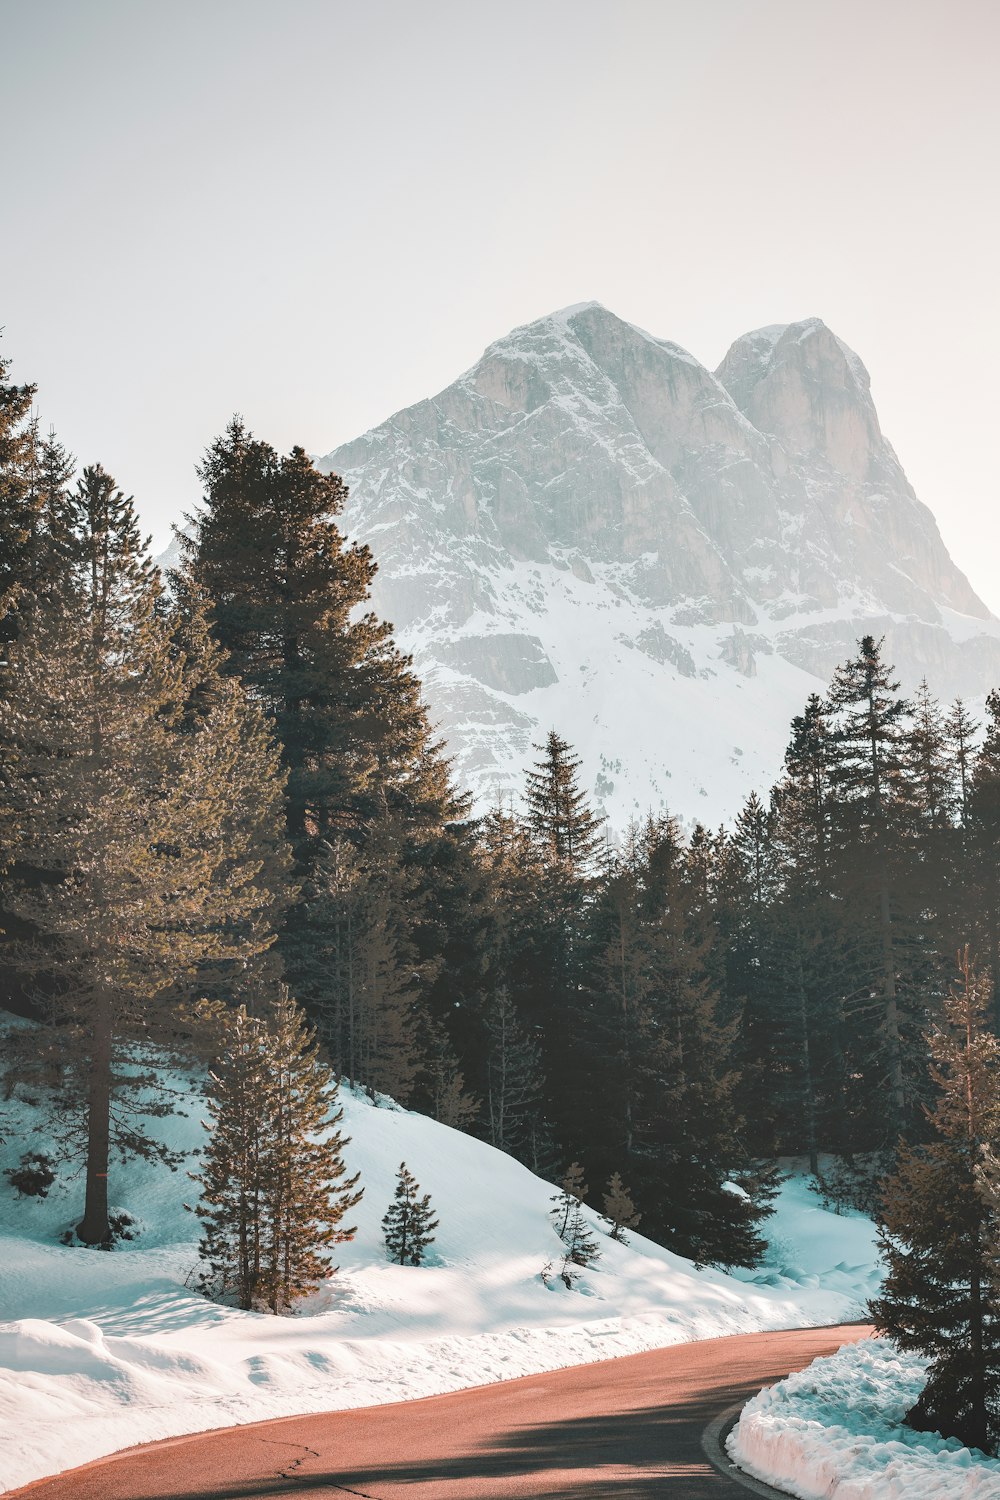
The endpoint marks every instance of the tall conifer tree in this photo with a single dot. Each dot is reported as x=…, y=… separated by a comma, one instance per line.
x=135, y=851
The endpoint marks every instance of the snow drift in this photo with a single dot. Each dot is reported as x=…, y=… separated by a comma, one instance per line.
x=835, y=1428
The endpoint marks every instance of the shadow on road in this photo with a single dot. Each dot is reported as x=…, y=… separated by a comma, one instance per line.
x=643, y=1455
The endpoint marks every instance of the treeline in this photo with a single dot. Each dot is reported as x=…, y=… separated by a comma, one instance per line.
x=227, y=782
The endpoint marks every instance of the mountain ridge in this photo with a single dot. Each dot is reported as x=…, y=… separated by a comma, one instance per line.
x=589, y=508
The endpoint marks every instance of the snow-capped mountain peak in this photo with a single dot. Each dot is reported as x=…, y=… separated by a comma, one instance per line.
x=589, y=529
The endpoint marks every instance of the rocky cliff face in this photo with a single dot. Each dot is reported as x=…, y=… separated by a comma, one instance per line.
x=591, y=530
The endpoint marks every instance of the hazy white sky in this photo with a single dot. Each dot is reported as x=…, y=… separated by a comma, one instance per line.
x=315, y=212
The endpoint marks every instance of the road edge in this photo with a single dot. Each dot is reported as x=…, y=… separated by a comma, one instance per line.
x=713, y=1445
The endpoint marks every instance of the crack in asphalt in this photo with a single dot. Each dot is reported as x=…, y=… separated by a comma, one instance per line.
x=289, y=1472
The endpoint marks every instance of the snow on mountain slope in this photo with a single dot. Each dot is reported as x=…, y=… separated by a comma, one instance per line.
x=590, y=530
x=102, y=1351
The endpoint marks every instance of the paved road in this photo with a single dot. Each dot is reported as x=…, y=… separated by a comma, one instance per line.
x=625, y=1429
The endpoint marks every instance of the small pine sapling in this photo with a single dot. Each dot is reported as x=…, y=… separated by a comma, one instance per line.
x=408, y=1221
x=579, y=1246
x=619, y=1210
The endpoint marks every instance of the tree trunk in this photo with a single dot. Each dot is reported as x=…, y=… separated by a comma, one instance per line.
x=94, y=1228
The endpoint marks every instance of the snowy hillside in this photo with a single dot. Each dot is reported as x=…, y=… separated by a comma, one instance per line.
x=101, y=1351
x=589, y=530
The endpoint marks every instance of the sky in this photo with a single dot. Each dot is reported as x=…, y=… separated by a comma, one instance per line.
x=315, y=213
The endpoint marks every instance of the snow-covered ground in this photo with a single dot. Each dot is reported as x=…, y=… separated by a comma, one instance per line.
x=101, y=1351
x=835, y=1428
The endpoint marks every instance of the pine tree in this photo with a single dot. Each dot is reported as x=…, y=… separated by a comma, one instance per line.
x=232, y=1175
x=306, y=1189
x=514, y=1112
x=619, y=1210
x=579, y=1246
x=983, y=846
x=808, y=1033
x=408, y=1221
x=565, y=835
x=18, y=505
x=135, y=850
x=566, y=832
x=290, y=600
x=803, y=797
x=872, y=806
x=360, y=965
x=444, y=1082
x=289, y=592
x=961, y=729
x=274, y=1182
x=746, y=888
x=619, y=1033
x=940, y=1229
x=930, y=766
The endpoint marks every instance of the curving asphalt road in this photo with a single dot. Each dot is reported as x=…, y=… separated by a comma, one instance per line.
x=629, y=1427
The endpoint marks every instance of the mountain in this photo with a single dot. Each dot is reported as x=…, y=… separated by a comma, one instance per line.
x=592, y=531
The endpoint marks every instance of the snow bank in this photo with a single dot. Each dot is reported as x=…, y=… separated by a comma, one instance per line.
x=835, y=1429
x=101, y=1351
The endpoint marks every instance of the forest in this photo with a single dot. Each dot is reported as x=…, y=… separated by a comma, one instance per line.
x=227, y=830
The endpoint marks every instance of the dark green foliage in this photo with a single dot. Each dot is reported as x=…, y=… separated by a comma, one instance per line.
x=288, y=592
x=565, y=830
x=940, y=1231
x=408, y=1221
x=514, y=1117
x=375, y=940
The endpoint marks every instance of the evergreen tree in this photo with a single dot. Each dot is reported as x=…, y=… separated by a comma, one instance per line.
x=930, y=769
x=135, y=851
x=360, y=963
x=579, y=1246
x=807, y=1052
x=274, y=1182
x=289, y=595
x=746, y=882
x=983, y=846
x=408, y=1221
x=872, y=807
x=565, y=830
x=961, y=729
x=444, y=1082
x=305, y=1195
x=939, y=1231
x=514, y=1080
x=619, y=1210
x=18, y=506
x=233, y=1163
x=803, y=800
x=566, y=836
x=290, y=607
